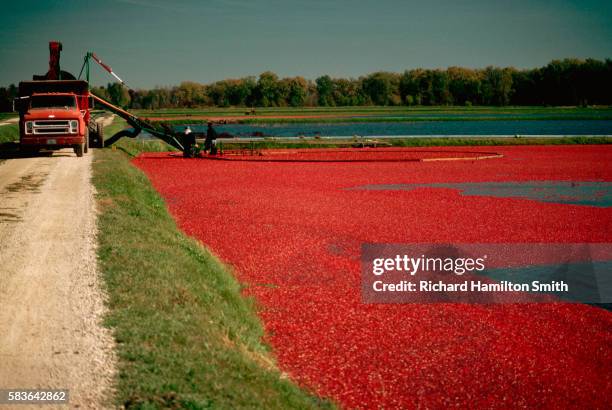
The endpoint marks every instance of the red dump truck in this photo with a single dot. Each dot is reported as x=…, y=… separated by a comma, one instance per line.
x=54, y=114
x=55, y=109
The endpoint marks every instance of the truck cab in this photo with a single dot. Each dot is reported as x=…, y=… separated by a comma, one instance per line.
x=53, y=115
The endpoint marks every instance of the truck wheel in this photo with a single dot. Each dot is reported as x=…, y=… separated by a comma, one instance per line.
x=86, y=148
x=100, y=129
x=78, y=149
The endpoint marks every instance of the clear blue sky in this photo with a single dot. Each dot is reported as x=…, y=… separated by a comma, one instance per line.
x=155, y=42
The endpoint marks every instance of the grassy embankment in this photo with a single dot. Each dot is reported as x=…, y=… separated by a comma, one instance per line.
x=382, y=114
x=186, y=338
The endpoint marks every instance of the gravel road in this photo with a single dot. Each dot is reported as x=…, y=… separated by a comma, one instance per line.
x=51, y=298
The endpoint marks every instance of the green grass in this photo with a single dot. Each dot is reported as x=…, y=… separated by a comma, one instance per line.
x=7, y=115
x=9, y=133
x=186, y=337
x=411, y=142
x=134, y=146
x=476, y=141
x=117, y=125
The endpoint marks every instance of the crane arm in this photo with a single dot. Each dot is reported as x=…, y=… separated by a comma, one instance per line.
x=107, y=68
x=91, y=55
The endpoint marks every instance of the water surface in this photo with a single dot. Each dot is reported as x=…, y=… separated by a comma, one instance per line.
x=419, y=128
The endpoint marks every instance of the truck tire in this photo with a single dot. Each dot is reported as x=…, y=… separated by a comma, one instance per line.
x=78, y=149
x=100, y=133
x=86, y=147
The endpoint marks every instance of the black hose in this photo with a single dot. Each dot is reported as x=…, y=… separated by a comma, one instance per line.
x=123, y=133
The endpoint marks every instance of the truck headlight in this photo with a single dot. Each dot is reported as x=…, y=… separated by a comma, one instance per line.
x=29, y=127
x=74, y=127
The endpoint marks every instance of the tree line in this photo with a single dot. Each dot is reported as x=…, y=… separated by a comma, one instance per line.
x=560, y=82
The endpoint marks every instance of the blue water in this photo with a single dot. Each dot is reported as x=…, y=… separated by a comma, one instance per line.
x=562, y=192
x=498, y=127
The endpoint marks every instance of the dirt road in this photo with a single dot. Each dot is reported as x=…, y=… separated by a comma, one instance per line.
x=9, y=121
x=51, y=301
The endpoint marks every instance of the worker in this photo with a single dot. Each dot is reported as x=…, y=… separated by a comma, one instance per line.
x=210, y=144
x=188, y=142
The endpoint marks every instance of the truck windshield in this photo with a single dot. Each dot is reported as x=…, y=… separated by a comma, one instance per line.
x=53, y=101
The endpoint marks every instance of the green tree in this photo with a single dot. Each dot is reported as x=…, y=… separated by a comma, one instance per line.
x=379, y=87
x=497, y=86
x=268, y=89
x=463, y=85
x=100, y=92
x=191, y=94
x=347, y=92
x=118, y=94
x=560, y=82
x=239, y=91
x=409, y=87
x=325, y=89
x=298, y=88
x=218, y=93
x=7, y=95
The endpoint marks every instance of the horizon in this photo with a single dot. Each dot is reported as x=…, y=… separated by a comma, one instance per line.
x=140, y=39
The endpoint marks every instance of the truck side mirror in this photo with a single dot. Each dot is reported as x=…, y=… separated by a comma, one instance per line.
x=20, y=104
x=91, y=102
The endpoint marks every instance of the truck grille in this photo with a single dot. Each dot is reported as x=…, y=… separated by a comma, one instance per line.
x=51, y=127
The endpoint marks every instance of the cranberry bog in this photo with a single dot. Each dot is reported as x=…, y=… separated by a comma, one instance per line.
x=292, y=229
